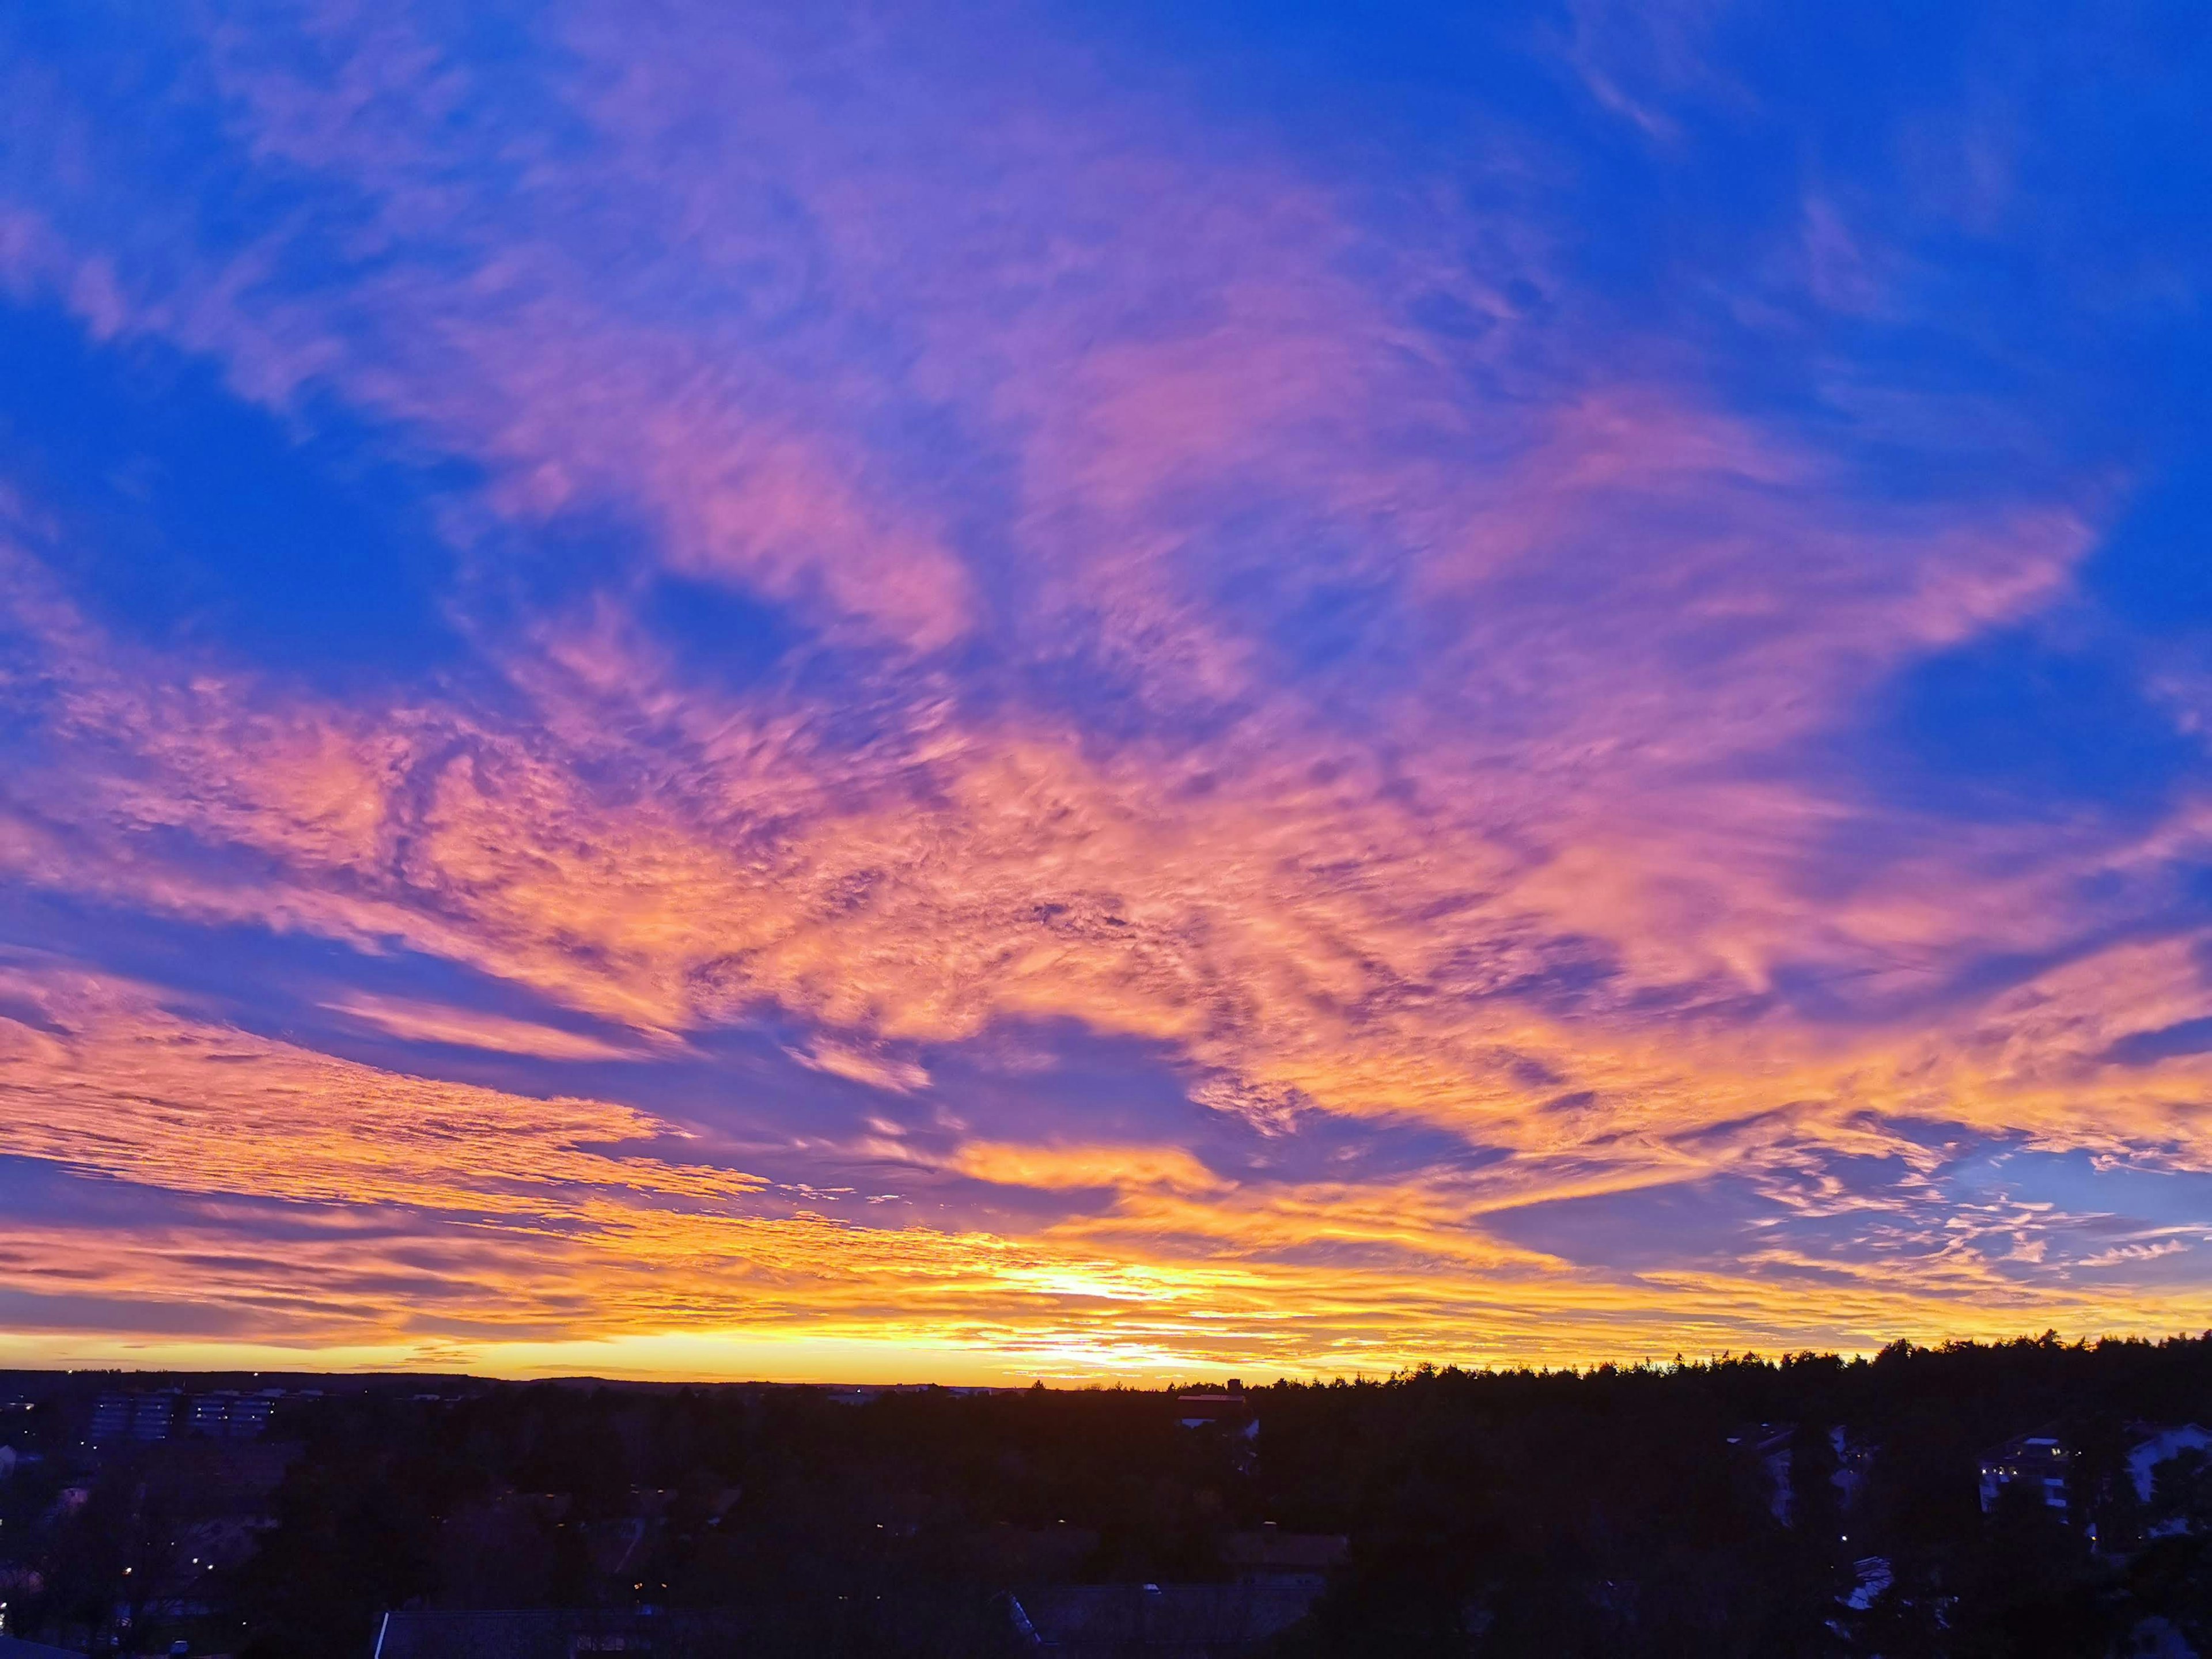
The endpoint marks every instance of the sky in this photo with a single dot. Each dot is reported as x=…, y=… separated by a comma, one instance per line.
x=987, y=691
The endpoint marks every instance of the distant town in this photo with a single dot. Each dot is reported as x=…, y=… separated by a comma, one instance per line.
x=2024, y=1499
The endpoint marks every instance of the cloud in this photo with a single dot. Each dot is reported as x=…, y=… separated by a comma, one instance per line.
x=1051, y=1167
x=914, y=582
x=855, y=1066
x=420, y=1022
x=2130, y=1253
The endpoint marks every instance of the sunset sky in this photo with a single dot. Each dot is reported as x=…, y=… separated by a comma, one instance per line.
x=976, y=691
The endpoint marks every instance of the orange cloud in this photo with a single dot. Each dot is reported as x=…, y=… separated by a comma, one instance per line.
x=1049, y=1168
x=1533, y=893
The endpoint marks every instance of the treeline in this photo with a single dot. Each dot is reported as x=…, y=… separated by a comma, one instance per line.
x=1620, y=1511
x=1606, y=1512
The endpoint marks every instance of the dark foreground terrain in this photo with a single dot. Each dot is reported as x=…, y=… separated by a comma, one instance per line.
x=2029, y=1498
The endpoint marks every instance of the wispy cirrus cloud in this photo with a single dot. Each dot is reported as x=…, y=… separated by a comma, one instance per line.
x=775, y=620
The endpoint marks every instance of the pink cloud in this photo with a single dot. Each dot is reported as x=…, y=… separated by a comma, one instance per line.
x=1536, y=893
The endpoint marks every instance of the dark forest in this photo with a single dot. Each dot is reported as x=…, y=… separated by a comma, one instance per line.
x=1732, y=1506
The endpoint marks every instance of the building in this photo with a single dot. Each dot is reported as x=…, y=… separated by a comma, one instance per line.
x=1853, y=1463
x=151, y=1416
x=2158, y=1639
x=1160, y=1621
x=1230, y=1411
x=2149, y=1446
x=210, y=1415
x=250, y=1416
x=1275, y=1559
x=111, y=1418
x=1871, y=1579
x=570, y=1633
x=13, y=1647
x=2040, y=1464
x=529, y=1635
x=1773, y=1444
x=863, y=1393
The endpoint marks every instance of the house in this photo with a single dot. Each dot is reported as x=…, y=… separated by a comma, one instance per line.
x=558, y=1633
x=2149, y=1446
x=1276, y=1560
x=2157, y=1638
x=1160, y=1621
x=1228, y=1412
x=1871, y=1577
x=546, y=1634
x=220, y=1542
x=569, y=1633
x=13, y=1647
x=2037, y=1463
x=1773, y=1444
x=863, y=1393
x=1853, y=1463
